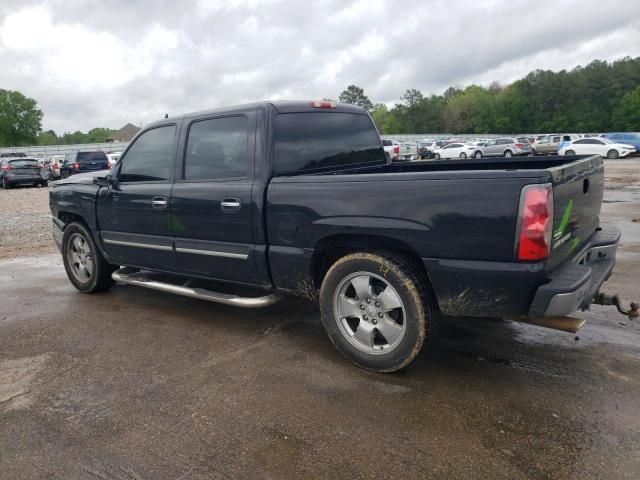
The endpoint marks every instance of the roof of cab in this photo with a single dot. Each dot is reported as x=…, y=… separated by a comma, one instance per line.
x=281, y=106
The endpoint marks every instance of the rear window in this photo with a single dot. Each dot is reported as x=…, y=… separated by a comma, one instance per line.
x=307, y=142
x=387, y=143
x=23, y=163
x=91, y=157
x=523, y=140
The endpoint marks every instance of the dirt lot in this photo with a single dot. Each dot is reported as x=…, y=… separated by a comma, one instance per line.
x=137, y=384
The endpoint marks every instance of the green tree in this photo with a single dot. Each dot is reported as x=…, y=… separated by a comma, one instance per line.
x=20, y=119
x=355, y=96
x=47, y=138
x=626, y=115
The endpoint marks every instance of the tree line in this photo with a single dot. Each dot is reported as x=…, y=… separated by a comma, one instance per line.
x=599, y=97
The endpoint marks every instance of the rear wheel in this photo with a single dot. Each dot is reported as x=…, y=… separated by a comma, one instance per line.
x=376, y=310
x=569, y=152
x=478, y=155
x=5, y=184
x=508, y=154
x=613, y=154
x=86, y=268
x=463, y=156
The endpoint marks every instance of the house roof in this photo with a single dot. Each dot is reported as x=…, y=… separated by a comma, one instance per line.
x=126, y=133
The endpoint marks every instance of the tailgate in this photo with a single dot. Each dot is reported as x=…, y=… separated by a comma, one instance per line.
x=578, y=188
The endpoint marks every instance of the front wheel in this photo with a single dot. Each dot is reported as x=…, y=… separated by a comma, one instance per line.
x=569, y=152
x=376, y=310
x=436, y=156
x=86, y=268
x=613, y=154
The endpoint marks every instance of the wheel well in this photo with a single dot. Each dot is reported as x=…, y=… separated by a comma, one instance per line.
x=330, y=249
x=68, y=217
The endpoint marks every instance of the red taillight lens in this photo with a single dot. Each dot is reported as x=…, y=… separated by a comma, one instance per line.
x=536, y=222
x=6, y=167
x=396, y=150
x=518, y=145
x=322, y=104
x=76, y=166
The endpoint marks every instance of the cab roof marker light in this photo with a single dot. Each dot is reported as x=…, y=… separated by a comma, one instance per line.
x=322, y=104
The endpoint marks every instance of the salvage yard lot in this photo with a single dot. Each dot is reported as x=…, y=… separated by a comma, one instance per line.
x=138, y=384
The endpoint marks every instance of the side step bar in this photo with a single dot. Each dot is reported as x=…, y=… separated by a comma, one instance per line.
x=139, y=279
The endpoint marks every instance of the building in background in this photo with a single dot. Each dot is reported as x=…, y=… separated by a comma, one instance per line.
x=125, y=134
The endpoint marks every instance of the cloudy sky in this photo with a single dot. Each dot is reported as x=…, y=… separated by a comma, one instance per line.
x=108, y=62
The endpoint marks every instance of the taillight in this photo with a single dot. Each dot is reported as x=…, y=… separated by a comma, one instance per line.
x=518, y=145
x=322, y=104
x=536, y=222
x=396, y=150
x=76, y=166
x=7, y=167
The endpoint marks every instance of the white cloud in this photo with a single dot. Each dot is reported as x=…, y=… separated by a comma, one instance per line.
x=94, y=63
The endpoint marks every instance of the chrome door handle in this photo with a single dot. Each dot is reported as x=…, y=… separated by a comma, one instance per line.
x=230, y=204
x=159, y=202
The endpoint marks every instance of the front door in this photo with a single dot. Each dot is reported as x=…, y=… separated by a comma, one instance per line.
x=133, y=213
x=211, y=202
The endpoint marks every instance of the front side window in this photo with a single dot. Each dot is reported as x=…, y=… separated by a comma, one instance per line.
x=556, y=139
x=217, y=148
x=307, y=142
x=150, y=158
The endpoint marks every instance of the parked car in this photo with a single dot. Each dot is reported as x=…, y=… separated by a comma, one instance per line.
x=597, y=146
x=285, y=197
x=427, y=149
x=391, y=148
x=55, y=164
x=407, y=151
x=455, y=150
x=628, y=138
x=21, y=171
x=84, y=161
x=550, y=144
x=504, y=147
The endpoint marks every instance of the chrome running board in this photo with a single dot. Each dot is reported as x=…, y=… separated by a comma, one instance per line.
x=139, y=279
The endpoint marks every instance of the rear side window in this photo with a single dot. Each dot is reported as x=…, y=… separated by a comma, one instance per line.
x=150, y=158
x=91, y=157
x=306, y=142
x=217, y=148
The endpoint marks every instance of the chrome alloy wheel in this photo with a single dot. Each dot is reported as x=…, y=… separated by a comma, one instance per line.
x=80, y=259
x=370, y=313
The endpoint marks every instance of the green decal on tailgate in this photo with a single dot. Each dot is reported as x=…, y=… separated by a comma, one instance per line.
x=564, y=222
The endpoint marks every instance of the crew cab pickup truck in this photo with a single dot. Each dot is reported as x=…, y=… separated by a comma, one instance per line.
x=241, y=205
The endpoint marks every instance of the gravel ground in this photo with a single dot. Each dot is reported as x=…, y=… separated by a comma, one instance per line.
x=25, y=222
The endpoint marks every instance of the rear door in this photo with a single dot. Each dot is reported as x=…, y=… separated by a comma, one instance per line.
x=211, y=203
x=133, y=214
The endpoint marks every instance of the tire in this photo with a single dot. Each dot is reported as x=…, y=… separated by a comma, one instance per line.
x=613, y=154
x=44, y=183
x=569, y=152
x=86, y=268
x=436, y=156
x=386, y=331
x=508, y=154
x=6, y=185
x=463, y=156
x=477, y=155
x=533, y=152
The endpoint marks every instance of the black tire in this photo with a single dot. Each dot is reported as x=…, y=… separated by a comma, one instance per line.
x=463, y=156
x=613, y=154
x=477, y=155
x=408, y=284
x=436, y=156
x=569, y=152
x=5, y=184
x=100, y=277
x=508, y=153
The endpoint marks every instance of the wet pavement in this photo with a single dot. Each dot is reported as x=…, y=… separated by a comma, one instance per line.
x=136, y=384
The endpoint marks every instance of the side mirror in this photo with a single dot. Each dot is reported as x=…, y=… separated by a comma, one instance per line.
x=104, y=181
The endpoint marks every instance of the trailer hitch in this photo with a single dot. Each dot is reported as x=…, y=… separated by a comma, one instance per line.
x=604, y=299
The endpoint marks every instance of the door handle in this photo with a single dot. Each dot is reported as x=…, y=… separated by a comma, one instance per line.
x=159, y=202
x=230, y=204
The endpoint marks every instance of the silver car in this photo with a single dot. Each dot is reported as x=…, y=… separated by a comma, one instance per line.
x=504, y=147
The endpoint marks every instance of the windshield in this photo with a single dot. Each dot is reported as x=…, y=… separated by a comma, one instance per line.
x=23, y=163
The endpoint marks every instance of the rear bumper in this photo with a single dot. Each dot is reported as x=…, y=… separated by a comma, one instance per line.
x=572, y=286
x=16, y=180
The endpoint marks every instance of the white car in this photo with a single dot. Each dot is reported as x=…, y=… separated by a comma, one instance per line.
x=597, y=146
x=455, y=150
x=113, y=158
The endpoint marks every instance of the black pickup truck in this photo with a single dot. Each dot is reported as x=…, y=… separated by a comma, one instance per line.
x=240, y=205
